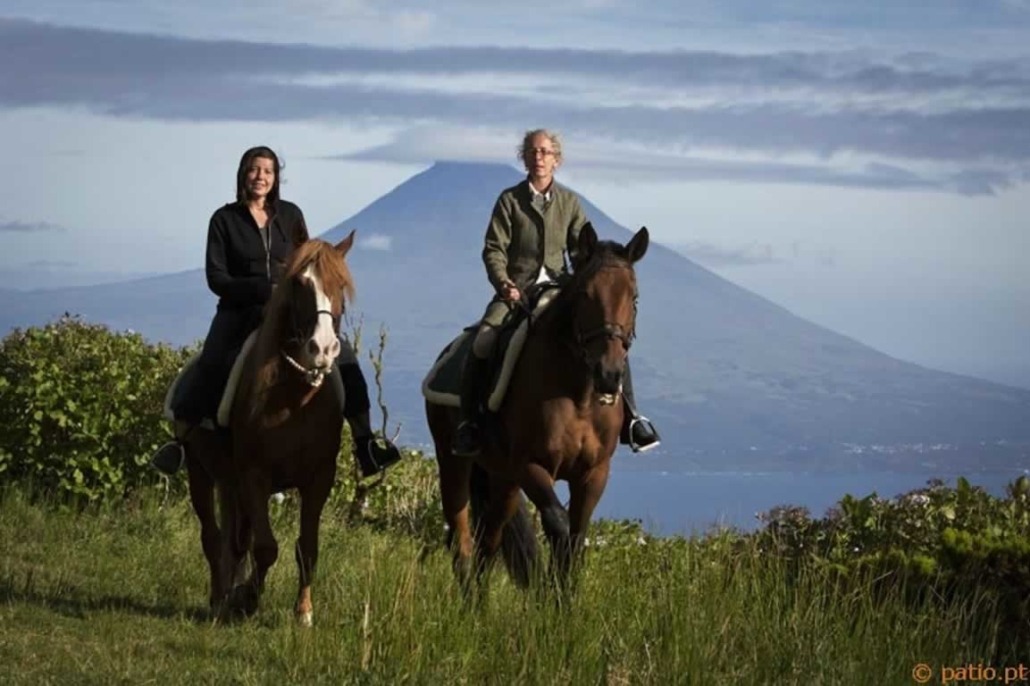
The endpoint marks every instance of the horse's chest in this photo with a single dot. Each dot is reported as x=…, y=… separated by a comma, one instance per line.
x=575, y=450
x=294, y=449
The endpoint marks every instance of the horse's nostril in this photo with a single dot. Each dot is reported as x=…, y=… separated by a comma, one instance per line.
x=335, y=347
x=313, y=347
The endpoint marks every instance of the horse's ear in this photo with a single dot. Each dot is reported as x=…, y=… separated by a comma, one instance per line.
x=637, y=245
x=586, y=244
x=344, y=246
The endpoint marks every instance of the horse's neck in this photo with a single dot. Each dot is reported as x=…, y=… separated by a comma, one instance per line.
x=566, y=374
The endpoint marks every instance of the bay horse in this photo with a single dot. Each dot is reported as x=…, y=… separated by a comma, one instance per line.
x=284, y=433
x=560, y=420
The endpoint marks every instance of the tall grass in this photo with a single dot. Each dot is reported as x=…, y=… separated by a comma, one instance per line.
x=117, y=594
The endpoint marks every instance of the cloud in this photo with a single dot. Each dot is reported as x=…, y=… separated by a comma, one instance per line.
x=907, y=121
x=711, y=255
x=748, y=25
x=16, y=226
x=50, y=264
x=86, y=52
x=334, y=21
x=599, y=158
x=426, y=144
x=375, y=242
x=755, y=253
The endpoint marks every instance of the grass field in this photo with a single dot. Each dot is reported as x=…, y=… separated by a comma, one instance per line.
x=117, y=595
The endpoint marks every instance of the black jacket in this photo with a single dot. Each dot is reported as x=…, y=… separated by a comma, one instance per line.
x=240, y=268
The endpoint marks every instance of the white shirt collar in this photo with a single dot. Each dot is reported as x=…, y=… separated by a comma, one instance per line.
x=537, y=194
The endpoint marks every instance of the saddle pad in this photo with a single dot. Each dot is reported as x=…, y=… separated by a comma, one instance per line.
x=225, y=406
x=179, y=381
x=442, y=385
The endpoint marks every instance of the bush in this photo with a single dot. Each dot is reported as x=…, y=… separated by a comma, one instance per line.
x=915, y=522
x=405, y=499
x=80, y=407
x=81, y=414
x=935, y=541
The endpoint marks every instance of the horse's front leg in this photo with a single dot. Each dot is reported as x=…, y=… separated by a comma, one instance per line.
x=539, y=488
x=584, y=494
x=312, y=500
x=235, y=543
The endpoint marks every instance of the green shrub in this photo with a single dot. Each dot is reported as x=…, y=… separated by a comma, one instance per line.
x=404, y=499
x=932, y=542
x=80, y=407
x=81, y=414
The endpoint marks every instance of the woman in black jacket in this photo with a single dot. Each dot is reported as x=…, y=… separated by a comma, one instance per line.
x=249, y=243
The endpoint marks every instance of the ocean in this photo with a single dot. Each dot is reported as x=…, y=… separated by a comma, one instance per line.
x=673, y=502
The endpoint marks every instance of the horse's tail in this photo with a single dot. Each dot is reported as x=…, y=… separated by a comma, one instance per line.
x=518, y=541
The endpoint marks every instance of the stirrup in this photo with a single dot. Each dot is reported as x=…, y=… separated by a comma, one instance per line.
x=169, y=458
x=372, y=458
x=650, y=437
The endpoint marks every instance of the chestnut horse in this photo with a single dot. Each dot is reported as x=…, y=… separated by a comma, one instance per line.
x=285, y=433
x=560, y=419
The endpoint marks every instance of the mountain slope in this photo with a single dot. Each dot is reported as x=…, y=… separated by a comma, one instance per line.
x=732, y=379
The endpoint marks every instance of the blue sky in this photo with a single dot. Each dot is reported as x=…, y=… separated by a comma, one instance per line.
x=866, y=165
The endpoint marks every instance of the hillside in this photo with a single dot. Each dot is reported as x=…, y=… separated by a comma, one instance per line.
x=732, y=379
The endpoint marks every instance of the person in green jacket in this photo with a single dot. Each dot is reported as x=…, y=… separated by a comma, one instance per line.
x=533, y=224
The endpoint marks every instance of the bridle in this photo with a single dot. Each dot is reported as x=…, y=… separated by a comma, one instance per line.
x=314, y=376
x=609, y=331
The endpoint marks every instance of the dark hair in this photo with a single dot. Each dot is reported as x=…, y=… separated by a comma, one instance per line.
x=241, y=173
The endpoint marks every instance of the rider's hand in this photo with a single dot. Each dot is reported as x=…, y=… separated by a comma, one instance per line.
x=510, y=292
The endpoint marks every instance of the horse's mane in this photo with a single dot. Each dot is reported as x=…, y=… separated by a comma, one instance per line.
x=330, y=267
x=337, y=283
x=606, y=254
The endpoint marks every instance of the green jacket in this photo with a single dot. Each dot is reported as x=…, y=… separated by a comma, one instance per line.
x=521, y=237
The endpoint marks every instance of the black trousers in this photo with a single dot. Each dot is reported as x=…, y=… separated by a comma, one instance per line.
x=201, y=391
x=354, y=386
x=627, y=387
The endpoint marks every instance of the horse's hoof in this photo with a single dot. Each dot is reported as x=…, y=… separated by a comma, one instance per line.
x=244, y=600
x=304, y=619
x=217, y=608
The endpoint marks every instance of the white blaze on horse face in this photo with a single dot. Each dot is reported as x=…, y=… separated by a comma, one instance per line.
x=322, y=348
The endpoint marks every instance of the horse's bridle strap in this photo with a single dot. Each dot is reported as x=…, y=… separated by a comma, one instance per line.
x=608, y=330
x=315, y=375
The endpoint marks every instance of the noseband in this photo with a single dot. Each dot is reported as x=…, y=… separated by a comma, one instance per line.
x=314, y=375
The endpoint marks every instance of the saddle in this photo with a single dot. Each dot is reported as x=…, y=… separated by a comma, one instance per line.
x=185, y=376
x=442, y=385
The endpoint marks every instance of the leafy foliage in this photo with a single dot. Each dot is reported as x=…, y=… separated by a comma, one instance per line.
x=81, y=414
x=932, y=547
x=80, y=407
x=935, y=540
